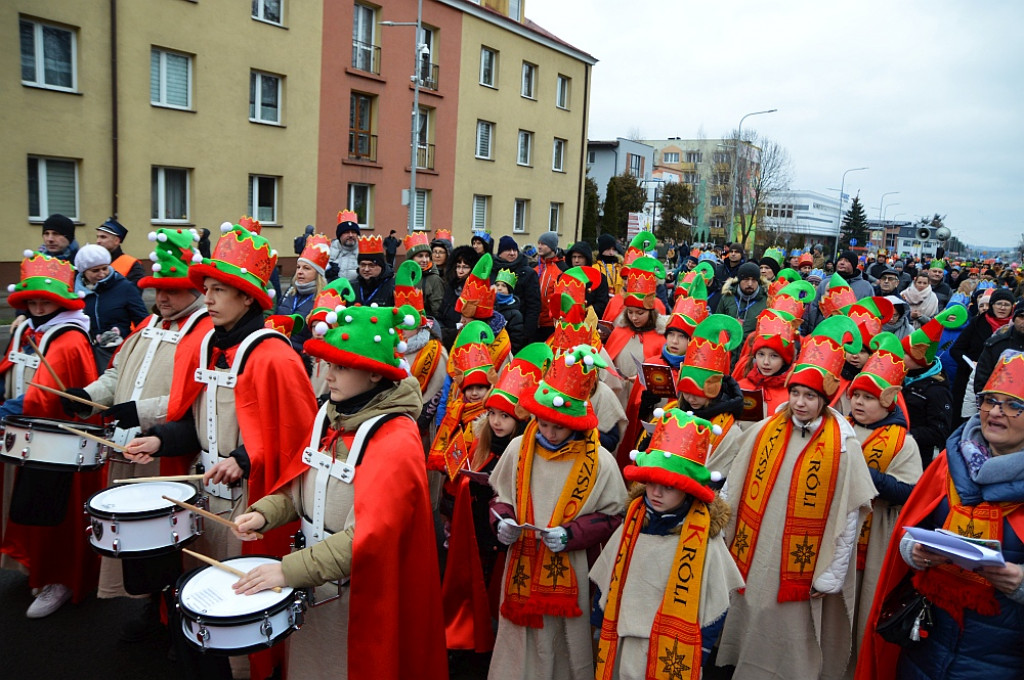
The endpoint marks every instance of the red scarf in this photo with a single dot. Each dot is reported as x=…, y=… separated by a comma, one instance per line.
x=994, y=323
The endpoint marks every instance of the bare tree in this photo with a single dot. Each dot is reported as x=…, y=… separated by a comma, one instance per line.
x=635, y=135
x=763, y=169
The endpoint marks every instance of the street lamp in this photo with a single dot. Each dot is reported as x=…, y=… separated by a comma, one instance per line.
x=887, y=207
x=887, y=193
x=839, y=224
x=736, y=163
x=654, y=203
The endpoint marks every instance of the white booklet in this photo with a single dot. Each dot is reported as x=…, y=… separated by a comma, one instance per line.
x=966, y=553
x=531, y=527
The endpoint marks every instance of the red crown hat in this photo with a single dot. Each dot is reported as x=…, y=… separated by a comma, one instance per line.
x=837, y=296
x=520, y=377
x=569, y=302
x=883, y=373
x=250, y=223
x=407, y=290
x=48, y=278
x=563, y=395
x=443, y=235
x=285, y=324
x=371, y=245
x=570, y=335
x=348, y=216
x=870, y=314
x=642, y=283
x=477, y=298
x=677, y=455
x=774, y=331
x=823, y=353
x=317, y=252
x=469, y=362
x=690, y=309
x=1008, y=375
x=708, y=355
x=417, y=242
x=792, y=299
x=242, y=259
x=783, y=279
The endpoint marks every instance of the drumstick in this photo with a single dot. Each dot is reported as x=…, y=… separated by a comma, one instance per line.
x=165, y=478
x=87, y=435
x=72, y=397
x=220, y=565
x=208, y=515
x=46, y=363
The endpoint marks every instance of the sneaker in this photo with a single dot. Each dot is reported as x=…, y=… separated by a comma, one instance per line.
x=48, y=601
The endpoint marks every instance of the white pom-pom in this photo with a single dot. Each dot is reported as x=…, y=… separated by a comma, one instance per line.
x=321, y=328
x=404, y=365
x=391, y=331
x=402, y=346
x=658, y=412
x=588, y=360
x=152, y=257
x=348, y=318
x=408, y=319
x=47, y=280
x=331, y=318
x=11, y=288
x=81, y=293
x=716, y=476
x=271, y=293
x=689, y=413
x=374, y=304
x=197, y=258
x=558, y=402
x=570, y=359
x=226, y=226
x=162, y=237
x=151, y=236
x=716, y=430
x=633, y=454
x=244, y=270
x=667, y=454
x=376, y=338
x=273, y=253
x=157, y=266
x=27, y=253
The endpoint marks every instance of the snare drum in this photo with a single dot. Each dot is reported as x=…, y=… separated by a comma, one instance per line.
x=134, y=520
x=41, y=443
x=216, y=619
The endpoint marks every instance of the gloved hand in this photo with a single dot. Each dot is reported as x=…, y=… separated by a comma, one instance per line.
x=648, y=402
x=126, y=414
x=333, y=270
x=508, y=532
x=555, y=538
x=75, y=408
x=111, y=338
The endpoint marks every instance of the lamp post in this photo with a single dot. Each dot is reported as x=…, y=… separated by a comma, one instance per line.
x=736, y=164
x=839, y=224
x=887, y=193
x=417, y=51
x=887, y=207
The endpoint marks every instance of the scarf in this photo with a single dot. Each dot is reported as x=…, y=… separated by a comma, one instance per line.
x=539, y=582
x=673, y=360
x=994, y=323
x=225, y=342
x=807, y=505
x=454, y=439
x=914, y=297
x=934, y=369
x=504, y=299
x=426, y=361
x=879, y=449
x=674, y=651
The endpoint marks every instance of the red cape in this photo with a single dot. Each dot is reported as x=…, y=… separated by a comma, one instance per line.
x=615, y=304
x=652, y=341
x=467, y=610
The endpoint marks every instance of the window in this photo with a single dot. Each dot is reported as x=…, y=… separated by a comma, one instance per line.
x=529, y=80
x=359, y=201
x=488, y=67
x=52, y=187
x=364, y=53
x=264, y=98
x=515, y=10
x=169, y=195
x=267, y=10
x=694, y=156
x=591, y=157
x=484, y=134
x=558, y=155
x=636, y=165
x=525, y=144
x=421, y=213
x=480, y=204
x=555, y=217
x=720, y=178
x=519, y=216
x=721, y=157
x=362, y=144
x=170, y=79
x=424, y=149
x=562, y=92
x=263, y=198
x=690, y=177
x=718, y=201
x=428, y=69
x=717, y=223
x=670, y=157
x=47, y=56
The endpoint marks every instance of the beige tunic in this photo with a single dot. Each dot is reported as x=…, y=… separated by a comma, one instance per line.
x=561, y=650
x=725, y=453
x=608, y=410
x=764, y=638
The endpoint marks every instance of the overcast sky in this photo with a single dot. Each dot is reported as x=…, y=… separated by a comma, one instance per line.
x=926, y=94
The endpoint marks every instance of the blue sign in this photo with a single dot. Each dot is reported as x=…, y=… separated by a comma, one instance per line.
x=853, y=241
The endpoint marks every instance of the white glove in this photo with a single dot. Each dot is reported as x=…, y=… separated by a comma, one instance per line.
x=555, y=538
x=508, y=532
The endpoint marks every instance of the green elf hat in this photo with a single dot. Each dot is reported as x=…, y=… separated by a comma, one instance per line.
x=563, y=395
x=782, y=279
x=642, y=282
x=174, y=251
x=508, y=277
x=823, y=354
x=335, y=297
x=837, y=296
x=285, y=324
x=520, y=377
x=367, y=338
x=883, y=372
x=870, y=314
x=677, y=455
x=708, y=354
x=641, y=244
x=775, y=254
x=407, y=289
x=476, y=301
x=469, y=362
x=922, y=344
x=793, y=300
x=569, y=302
x=47, y=278
x=690, y=309
x=703, y=270
x=241, y=259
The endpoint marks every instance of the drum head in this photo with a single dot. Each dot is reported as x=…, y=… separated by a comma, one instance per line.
x=52, y=425
x=208, y=592
x=144, y=497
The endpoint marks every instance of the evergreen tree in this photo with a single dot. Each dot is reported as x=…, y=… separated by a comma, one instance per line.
x=855, y=224
x=610, y=221
x=590, y=210
x=674, y=205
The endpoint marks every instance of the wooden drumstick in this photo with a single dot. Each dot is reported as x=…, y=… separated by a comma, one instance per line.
x=87, y=435
x=208, y=515
x=165, y=478
x=72, y=397
x=220, y=565
x=53, y=373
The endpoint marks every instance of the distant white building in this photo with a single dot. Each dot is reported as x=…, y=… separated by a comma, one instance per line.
x=606, y=159
x=801, y=218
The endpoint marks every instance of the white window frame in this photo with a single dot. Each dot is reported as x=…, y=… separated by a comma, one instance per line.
x=480, y=212
x=494, y=67
x=558, y=155
x=520, y=214
x=515, y=10
x=423, y=137
x=259, y=12
x=161, y=188
x=39, y=57
x=353, y=187
x=254, y=193
x=562, y=92
x=525, y=143
x=255, y=105
x=489, y=126
x=42, y=188
x=718, y=201
x=528, y=82
x=421, y=210
x=366, y=46
x=161, y=100
x=636, y=165
x=694, y=157
x=670, y=157
x=555, y=217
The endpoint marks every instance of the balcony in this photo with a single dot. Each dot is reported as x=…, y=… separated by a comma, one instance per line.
x=366, y=57
x=428, y=76
x=425, y=157
x=362, y=146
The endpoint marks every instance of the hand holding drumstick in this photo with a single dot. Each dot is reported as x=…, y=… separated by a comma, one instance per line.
x=247, y=526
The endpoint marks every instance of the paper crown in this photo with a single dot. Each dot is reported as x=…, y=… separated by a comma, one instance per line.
x=477, y=298
x=1007, y=376
x=937, y=264
x=775, y=254
x=569, y=301
x=870, y=314
x=708, y=354
x=922, y=344
x=774, y=331
x=508, y=277
x=242, y=259
x=444, y=235
x=348, y=217
x=883, y=372
x=823, y=353
x=371, y=245
x=793, y=300
x=407, y=290
x=519, y=377
x=285, y=324
x=677, y=455
x=416, y=242
x=837, y=296
x=367, y=338
x=174, y=252
x=482, y=234
x=782, y=279
x=335, y=296
x=469, y=362
x=317, y=252
x=806, y=259
x=638, y=247
x=47, y=278
x=690, y=309
x=642, y=282
x=563, y=395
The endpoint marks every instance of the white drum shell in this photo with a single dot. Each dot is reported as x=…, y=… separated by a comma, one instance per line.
x=142, y=529
x=24, y=443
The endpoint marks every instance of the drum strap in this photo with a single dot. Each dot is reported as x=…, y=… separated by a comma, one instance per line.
x=21, y=360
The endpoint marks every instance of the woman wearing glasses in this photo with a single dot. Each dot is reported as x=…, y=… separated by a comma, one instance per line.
x=975, y=488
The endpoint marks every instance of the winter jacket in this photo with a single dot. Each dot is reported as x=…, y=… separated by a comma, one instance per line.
x=432, y=286
x=296, y=303
x=742, y=308
x=596, y=297
x=380, y=290
x=513, y=322
x=344, y=261
x=1005, y=338
x=968, y=345
x=929, y=407
x=115, y=302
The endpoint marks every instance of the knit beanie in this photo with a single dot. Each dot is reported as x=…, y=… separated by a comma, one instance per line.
x=749, y=270
x=60, y=224
x=506, y=243
x=850, y=257
x=91, y=255
x=604, y=242
x=1000, y=294
x=550, y=239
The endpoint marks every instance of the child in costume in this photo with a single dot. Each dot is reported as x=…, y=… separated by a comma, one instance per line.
x=417, y=249
x=334, y=297
x=870, y=314
x=665, y=577
x=509, y=306
x=476, y=302
x=365, y=517
x=558, y=476
x=642, y=243
x=771, y=355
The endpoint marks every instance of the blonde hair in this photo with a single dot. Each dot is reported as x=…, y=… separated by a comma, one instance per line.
x=482, y=443
x=967, y=287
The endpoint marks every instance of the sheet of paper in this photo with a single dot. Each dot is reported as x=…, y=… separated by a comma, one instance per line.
x=530, y=527
x=963, y=553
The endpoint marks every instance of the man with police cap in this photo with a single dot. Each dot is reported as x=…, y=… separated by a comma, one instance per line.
x=111, y=234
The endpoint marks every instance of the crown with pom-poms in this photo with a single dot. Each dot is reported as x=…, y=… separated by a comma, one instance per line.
x=1007, y=376
x=477, y=298
x=317, y=252
x=837, y=296
x=707, y=355
x=519, y=377
x=922, y=344
x=642, y=282
x=569, y=301
x=335, y=297
x=47, y=278
x=883, y=373
x=469, y=362
x=690, y=309
x=174, y=251
x=677, y=455
x=367, y=338
x=775, y=331
x=823, y=353
x=416, y=242
x=870, y=314
x=242, y=259
x=563, y=394
x=444, y=235
x=285, y=324
x=407, y=290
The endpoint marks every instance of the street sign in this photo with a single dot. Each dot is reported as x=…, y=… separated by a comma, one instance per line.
x=853, y=241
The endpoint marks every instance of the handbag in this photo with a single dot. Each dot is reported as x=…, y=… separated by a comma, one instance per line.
x=906, y=616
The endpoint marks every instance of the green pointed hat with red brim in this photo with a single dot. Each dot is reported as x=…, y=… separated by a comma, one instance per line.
x=173, y=253
x=707, y=355
x=823, y=354
x=519, y=377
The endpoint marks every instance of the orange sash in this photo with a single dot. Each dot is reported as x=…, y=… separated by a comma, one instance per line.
x=425, y=363
x=459, y=415
x=724, y=421
x=879, y=449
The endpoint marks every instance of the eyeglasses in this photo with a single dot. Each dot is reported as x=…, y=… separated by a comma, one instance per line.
x=1011, y=408
x=369, y=265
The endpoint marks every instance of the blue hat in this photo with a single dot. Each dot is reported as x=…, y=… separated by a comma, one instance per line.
x=112, y=226
x=484, y=236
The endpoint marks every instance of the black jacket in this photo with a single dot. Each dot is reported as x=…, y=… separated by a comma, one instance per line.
x=116, y=302
x=1005, y=338
x=381, y=290
x=527, y=290
x=513, y=323
x=929, y=405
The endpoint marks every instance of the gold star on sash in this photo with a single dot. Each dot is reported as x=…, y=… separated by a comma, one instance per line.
x=968, y=531
x=804, y=554
x=519, y=578
x=740, y=543
x=555, y=568
x=675, y=666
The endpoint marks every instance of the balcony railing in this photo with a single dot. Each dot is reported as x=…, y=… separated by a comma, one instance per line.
x=425, y=157
x=428, y=76
x=366, y=57
x=362, y=146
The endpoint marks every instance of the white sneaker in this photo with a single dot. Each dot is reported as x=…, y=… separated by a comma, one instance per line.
x=48, y=601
